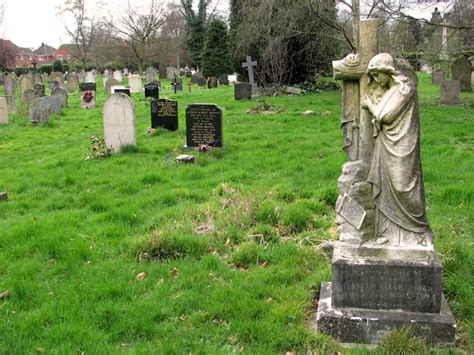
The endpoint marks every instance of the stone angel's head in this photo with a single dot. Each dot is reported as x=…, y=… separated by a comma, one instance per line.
x=384, y=69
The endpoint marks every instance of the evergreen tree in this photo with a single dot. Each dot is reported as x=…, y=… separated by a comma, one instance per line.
x=216, y=55
x=195, y=28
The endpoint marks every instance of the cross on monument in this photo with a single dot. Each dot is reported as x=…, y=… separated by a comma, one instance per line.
x=249, y=64
x=34, y=64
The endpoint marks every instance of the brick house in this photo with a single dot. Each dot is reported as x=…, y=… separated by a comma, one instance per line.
x=45, y=54
x=64, y=52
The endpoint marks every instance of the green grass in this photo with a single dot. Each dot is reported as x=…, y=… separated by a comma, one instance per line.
x=229, y=246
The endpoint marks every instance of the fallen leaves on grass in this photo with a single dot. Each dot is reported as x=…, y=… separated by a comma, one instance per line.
x=141, y=276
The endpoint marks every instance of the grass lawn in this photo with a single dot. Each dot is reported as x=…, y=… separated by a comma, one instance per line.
x=135, y=253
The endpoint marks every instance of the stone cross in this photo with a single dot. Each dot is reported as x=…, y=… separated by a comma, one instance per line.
x=34, y=64
x=249, y=64
x=355, y=216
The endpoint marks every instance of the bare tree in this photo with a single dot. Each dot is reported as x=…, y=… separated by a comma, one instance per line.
x=139, y=28
x=82, y=28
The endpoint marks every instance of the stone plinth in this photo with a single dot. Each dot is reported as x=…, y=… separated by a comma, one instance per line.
x=368, y=326
x=386, y=278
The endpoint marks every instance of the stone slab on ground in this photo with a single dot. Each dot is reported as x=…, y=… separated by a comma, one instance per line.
x=355, y=325
x=3, y=196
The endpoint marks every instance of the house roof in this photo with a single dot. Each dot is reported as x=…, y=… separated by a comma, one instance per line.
x=24, y=51
x=44, y=49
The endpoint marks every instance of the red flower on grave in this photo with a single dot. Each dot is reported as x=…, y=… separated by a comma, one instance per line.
x=88, y=96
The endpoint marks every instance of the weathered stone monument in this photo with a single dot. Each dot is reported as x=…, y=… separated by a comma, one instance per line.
x=170, y=73
x=89, y=77
x=25, y=84
x=118, y=76
x=135, y=83
x=249, y=64
x=198, y=79
x=39, y=89
x=41, y=112
x=461, y=70
x=437, y=77
x=9, y=83
x=164, y=113
x=57, y=76
x=449, y=92
x=203, y=125
x=211, y=82
x=62, y=93
x=88, y=95
x=72, y=84
x=54, y=102
x=242, y=91
x=119, y=122
x=150, y=74
x=385, y=271
x=108, y=85
x=3, y=111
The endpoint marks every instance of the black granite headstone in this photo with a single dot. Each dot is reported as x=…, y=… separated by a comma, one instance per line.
x=125, y=91
x=164, y=113
x=203, y=125
x=152, y=90
x=87, y=87
x=243, y=91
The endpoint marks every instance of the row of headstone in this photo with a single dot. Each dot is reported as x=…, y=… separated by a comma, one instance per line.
x=42, y=107
x=203, y=121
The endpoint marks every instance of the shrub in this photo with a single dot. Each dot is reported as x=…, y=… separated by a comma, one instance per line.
x=46, y=68
x=58, y=66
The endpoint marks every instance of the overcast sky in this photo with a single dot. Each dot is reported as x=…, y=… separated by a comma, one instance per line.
x=28, y=23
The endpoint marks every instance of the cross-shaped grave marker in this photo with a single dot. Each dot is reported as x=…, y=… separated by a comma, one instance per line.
x=249, y=64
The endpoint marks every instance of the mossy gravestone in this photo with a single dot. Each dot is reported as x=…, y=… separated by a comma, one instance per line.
x=119, y=122
x=461, y=70
x=164, y=113
x=204, y=125
x=243, y=91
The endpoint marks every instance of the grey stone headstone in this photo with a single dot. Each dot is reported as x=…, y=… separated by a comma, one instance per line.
x=26, y=83
x=53, y=84
x=29, y=95
x=242, y=91
x=437, y=77
x=170, y=71
x=119, y=122
x=11, y=104
x=109, y=83
x=150, y=74
x=3, y=111
x=204, y=125
x=61, y=93
x=223, y=79
x=40, y=112
x=89, y=77
x=135, y=83
x=461, y=70
x=57, y=76
x=118, y=76
x=212, y=82
x=10, y=84
x=197, y=78
x=40, y=91
x=449, y=92
x=72, y=83
x=54, y=102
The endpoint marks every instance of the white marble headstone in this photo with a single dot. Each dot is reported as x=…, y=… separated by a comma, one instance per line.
x=232, y=78
x=119, y=122
x=89, y=77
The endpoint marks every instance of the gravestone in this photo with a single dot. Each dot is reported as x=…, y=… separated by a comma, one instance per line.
x=29, y=95
x=118, y=76
x=189, y=74
x=212, y=82
x=39, y=89
x=385, y=270
x=10, y=84
x=120, y=89
x=437, y=77
x=461, y=70
x=57, y=76
x=197, y=78
x=72, y=83
x=88, y=95
x=3, y=111
x=150, y=74
x=41, y=113
x=53, y=84
x=11, y=104
x=164, y=113
x=449, y=92
x=109, y=83
x=119, y=122
x=242, y=91
x=46, y=76
x=89, y=77
x=170, y=72
x=223, y=79
x=152, y=90
x=203, y=125
x=37, y=78
x=62, y=94
x=135, y=83
x=125, y=71
x=249, y=64
x=106, y=72
x=25, y=84
x=54, y=102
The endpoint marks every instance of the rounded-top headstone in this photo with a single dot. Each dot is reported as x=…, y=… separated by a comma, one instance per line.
x=109, y=83
x=119, y=122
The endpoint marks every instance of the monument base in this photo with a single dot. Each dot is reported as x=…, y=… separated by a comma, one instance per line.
x=368, y=326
